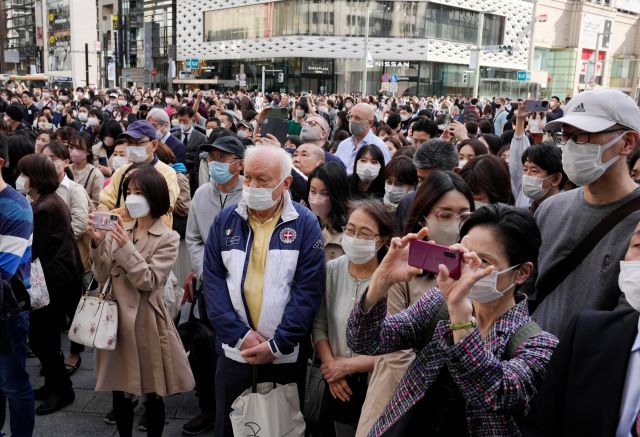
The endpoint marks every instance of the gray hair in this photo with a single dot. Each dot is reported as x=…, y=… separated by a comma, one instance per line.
x=159, y=114
x=436, y=153
x=275, y=153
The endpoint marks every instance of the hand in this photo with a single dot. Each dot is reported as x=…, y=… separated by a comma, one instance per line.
x=260, y=354
x=340, y=390
x=97, y=235
x=459, y=130
x=520, y=112
x=456, y=292
x=395, y=267
x=336, y=369
x=252, y=340
x=118, y=233
x=106, y=171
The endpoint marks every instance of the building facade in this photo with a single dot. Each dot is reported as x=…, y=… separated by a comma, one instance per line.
x=568, y=34
x=418, y=47
x=19, y=53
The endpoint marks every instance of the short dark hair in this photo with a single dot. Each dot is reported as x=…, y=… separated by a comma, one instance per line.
x=394, y=120
x=548, y=156
x=556, y=97
x=435, y=186
x=335, y=179
x=515, y=229
x=383, y=218
x=486, y=127
x=165, y=154
x=82, y=141
x=185, y=110
x=41, y=173
x=493, y=141
x=489, y=174
x=472, y=128
x=154, y=186
x=428, y=126
x=436, y=153
x=401, y=167
x=110, y=128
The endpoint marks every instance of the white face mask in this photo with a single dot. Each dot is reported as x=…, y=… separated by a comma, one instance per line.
x=628, y=281
x=393, y=193
x=358, y=251
x=137, y=154
x=532, y=187
x=209, y=132
x=92, y=122
x=175, y=123
x=462, y=163
x=21, y=185
x=185, y=127
x=259, y=199
x=405, y=117
x=122, y=102
x=118, y=161
x=83, y=116
x=445, y=234
x=368, y=172
x=583, y=162
x=137, y=206
x=485, y=289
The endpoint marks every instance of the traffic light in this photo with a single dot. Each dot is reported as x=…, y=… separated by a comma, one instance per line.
x=464, y=78
x=280, y=77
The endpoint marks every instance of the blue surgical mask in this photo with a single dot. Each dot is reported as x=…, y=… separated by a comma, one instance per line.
x=219, y=172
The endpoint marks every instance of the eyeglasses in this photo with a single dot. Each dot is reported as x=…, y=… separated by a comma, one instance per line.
x=138, y=143
x=580, y=137
x=362, y=235
x=444, y=216
x=314, y=123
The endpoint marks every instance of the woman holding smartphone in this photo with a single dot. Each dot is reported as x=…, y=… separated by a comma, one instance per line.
x=149, y=358
x=462, y=382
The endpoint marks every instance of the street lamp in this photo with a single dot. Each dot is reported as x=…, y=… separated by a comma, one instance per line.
x=476, y=75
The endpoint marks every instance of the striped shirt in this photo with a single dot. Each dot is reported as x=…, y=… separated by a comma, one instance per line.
x=16, y=235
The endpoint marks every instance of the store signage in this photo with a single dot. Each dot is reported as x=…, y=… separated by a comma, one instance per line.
x=192, y=64
x=524, y=75
x=392, y=64
x=318, y=69
x=310, y=66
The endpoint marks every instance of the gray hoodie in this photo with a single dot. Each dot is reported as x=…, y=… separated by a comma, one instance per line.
x=206, y=203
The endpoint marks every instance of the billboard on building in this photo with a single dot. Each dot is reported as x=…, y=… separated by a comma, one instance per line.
x=59, y=34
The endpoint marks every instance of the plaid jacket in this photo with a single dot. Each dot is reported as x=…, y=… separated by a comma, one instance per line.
x=494, y=390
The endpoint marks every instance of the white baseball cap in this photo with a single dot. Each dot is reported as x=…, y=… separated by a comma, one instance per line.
x=598, y=110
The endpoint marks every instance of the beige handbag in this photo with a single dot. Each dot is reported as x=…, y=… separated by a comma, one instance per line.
x=95, y=323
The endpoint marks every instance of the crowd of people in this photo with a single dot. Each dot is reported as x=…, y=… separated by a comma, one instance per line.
x=239, y=256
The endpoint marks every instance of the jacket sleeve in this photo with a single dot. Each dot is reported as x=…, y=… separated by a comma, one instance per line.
x=194, y=239
x=95, y=186
x=109, y=194
x=224, y=319
x=79, y=209
x=174, y=189
x=306, y=291
x=518, y=145
x=489, y=383
x=371, y=333
x=152, y=275
x=184, y=197
x=101, y=257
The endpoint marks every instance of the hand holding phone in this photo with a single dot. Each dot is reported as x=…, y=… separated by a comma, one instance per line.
x=104, y=221
x=428, y=257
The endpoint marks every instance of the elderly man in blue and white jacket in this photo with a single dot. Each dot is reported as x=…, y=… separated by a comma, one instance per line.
x=263, y=282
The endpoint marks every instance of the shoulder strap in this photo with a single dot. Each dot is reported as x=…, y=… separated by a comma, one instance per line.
x=522, y=334
x=442, y=314
x=559, y=272
x=88, y=177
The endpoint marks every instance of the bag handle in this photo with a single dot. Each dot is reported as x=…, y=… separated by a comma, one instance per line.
x=104, y=294
x=559, y=272
x=254, y=377
x=522, y=334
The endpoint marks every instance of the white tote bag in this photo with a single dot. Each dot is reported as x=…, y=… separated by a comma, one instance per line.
x=268, y=412
x=95, y=323
x=38, y=292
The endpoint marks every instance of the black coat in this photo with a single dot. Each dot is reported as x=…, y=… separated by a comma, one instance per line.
x=582, y=392
x=54, y=245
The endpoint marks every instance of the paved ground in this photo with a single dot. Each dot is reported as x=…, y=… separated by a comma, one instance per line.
x=83, y=418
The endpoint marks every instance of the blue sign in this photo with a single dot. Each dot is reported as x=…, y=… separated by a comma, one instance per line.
x=192, y=64
x=524, y=75
x=394, y=78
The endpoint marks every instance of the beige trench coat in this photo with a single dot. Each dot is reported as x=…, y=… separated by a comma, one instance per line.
x=389, y=369
x=149, y=356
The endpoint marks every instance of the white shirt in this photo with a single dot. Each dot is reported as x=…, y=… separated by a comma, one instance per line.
x=630, y=406
x=347, y=149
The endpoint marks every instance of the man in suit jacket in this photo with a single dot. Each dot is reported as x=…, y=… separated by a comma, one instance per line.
x=592, y=385
x=192, y=138
x=160, y=121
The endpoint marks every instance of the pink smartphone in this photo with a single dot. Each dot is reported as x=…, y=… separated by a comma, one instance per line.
x=428, y=256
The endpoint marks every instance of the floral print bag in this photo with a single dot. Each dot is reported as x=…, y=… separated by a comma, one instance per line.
x=95, y=323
